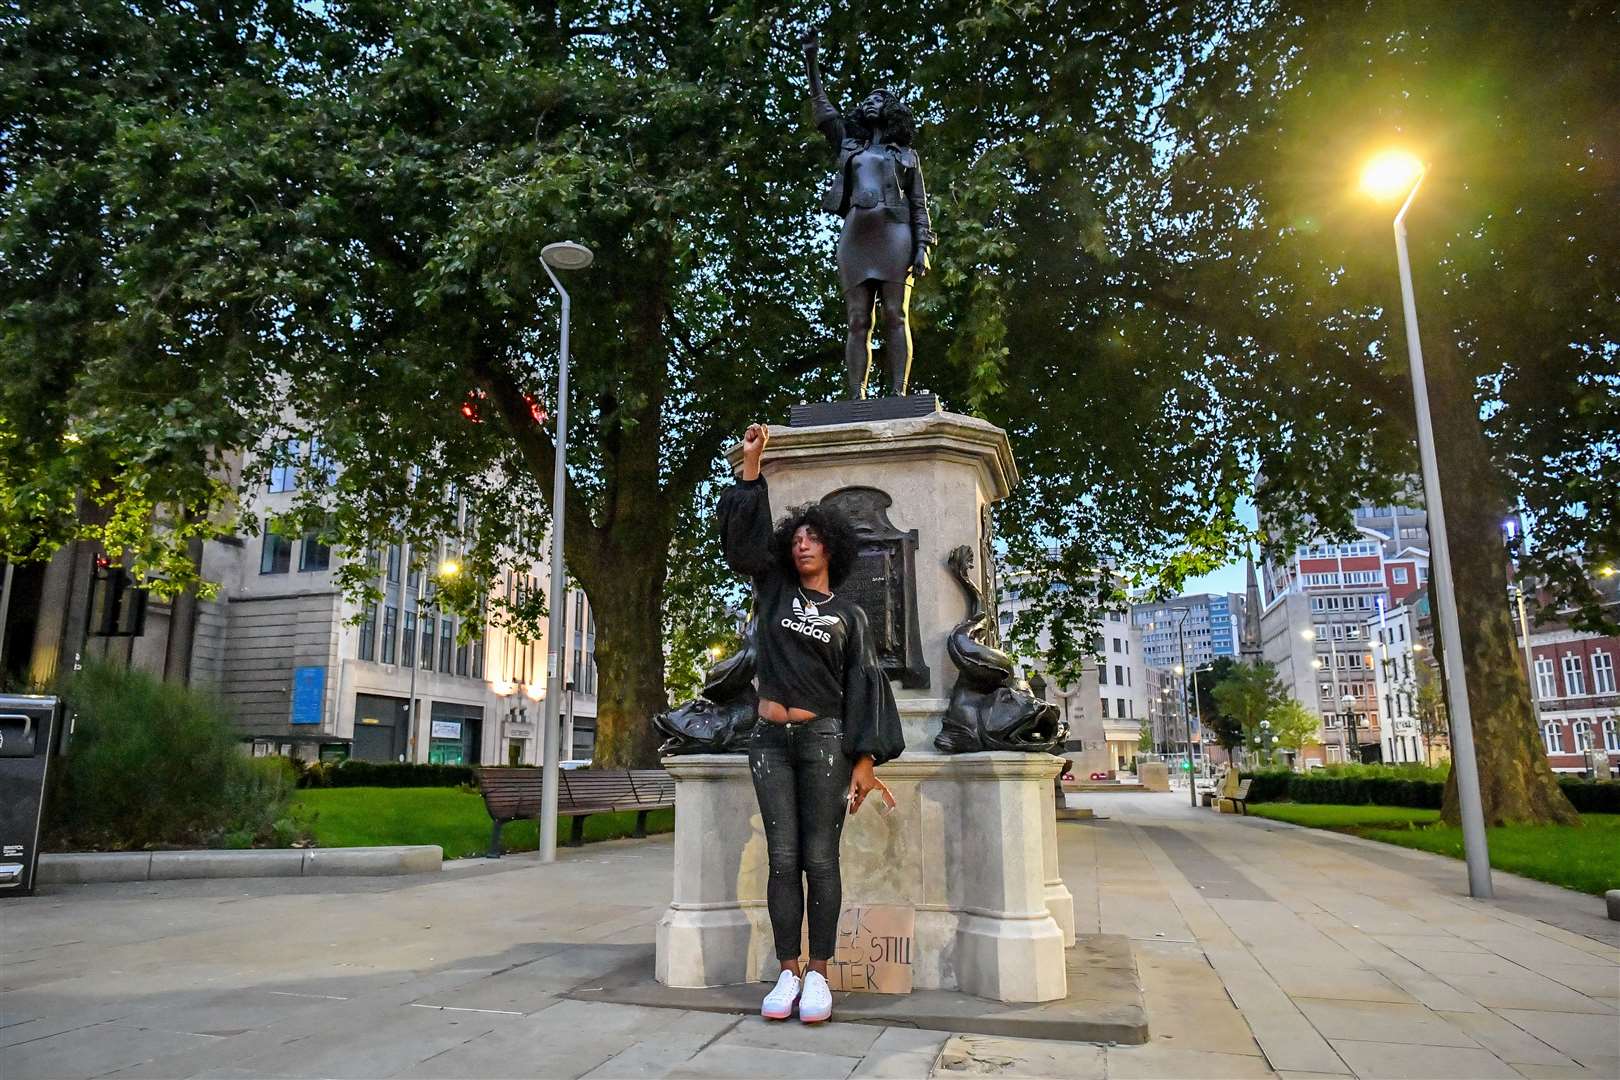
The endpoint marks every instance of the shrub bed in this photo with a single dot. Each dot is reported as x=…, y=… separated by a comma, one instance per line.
x=388, y=774
x=1373, y=785
x=154, y=764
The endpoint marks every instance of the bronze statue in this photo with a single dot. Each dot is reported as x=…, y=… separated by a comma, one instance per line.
x=877, y=188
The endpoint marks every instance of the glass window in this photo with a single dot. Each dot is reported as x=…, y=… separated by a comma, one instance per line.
x=390, y=625
x=1583, y=736
x=463, y=659
x=1105, y=708
x=478, y=659
x=447, y=642
x=1553, y=736
x=393, y=562
x=1399, y=573
x=277, y=555
x=428, y=624
x=1546, y=687
x=1119, y=675
x=1602, y=673
x=1611, y=736
x=407, y=654
x=1574, y=676
x=284, y=472
x=316, y=555
x=321, y=464
x=1120, y=713
x=1102, y=674
x=368, y=633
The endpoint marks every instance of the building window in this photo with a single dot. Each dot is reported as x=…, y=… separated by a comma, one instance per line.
x=1553, y=735
x=463, y=659
x=368, y=633
x=393, y=563
x=1121, y=711
x=478, y=659
x=1545, y=686
x=408, y=650
x=447, y=643
x=427, y=643
x=1399, y=573
x=277, y=555
x=316, y=555
x=1105, y=708
x=1602, y=673
x=284, y=471
x=1611, y=735
x=1119, y=674
x=1102, y=674
x=1583, y=736
x=1574, y=676
x=390, y=625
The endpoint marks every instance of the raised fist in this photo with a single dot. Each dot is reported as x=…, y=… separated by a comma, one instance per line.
x=808, y=42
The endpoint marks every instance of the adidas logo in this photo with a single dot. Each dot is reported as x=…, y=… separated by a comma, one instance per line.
x=809, y=622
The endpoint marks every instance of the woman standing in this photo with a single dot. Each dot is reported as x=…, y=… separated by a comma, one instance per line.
x=827, y=717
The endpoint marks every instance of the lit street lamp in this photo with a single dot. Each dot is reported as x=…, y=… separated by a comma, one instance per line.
x=563, y=255
x=1388, y=175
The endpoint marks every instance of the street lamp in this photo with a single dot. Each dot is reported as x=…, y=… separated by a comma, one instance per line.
x=448, y=568
x=564, y=255
x=1186, y=721
x=1387, y=176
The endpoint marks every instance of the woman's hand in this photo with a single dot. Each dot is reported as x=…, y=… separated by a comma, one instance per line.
x=754, y=440
x=919, y=263
x=808, y=43
x=863, y=781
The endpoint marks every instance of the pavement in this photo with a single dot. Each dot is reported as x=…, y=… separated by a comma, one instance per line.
x=1262, y=950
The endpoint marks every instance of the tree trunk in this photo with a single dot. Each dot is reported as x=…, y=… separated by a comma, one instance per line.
x=630, y=662
x=1516, y=783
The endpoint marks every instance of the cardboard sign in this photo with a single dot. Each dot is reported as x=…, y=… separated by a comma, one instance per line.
x=873, y=955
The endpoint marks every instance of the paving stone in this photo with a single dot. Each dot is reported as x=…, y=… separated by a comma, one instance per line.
x=1527, y=991
x=899, y=1040
x=1443, y=962
x=1585, y=1037
x=1559, y=1072
x=1392, y=1023
x=990, y=1055
x=1593, y=981
x=1507, y=1041
x=1402, y=943
x=91, y=1051
x=1340, y=985
x=845, y=1040
x=894, y=1065
x=1283, y=1032
x=1155, y=1061
x=1399, y=1061
x=738, y=1062
x=667, y=1049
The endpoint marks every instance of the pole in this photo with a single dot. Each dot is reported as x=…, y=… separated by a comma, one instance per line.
x=1529, y=657
x=416, y=661
x=551, y=737
x=1186, y=722
x=1462, y=721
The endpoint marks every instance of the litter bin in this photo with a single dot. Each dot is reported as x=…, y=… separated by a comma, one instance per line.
x=28, y=726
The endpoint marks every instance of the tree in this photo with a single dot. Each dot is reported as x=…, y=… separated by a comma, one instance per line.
x=1249, y=694
x=1292, y=725
x=1144, y=740
x=1228, y=733
x=1431, y=714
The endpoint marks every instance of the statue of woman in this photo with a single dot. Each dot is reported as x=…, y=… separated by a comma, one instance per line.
x=877, y=188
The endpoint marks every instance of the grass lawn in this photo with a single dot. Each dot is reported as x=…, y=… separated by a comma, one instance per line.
x=1586, y=859
x=450, y=817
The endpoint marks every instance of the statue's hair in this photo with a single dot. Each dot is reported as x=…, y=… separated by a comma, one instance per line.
x=896, y=122
x=829, y=525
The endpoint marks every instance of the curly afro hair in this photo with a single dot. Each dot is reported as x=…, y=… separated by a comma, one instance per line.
x=828, y=525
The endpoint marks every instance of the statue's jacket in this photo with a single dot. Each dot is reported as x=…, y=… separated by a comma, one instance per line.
x=903, y=196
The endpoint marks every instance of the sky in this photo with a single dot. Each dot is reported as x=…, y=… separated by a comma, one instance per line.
x=1229, y=578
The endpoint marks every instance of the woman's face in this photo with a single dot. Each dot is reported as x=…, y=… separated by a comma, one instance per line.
x=871, y=109
x=809, y=553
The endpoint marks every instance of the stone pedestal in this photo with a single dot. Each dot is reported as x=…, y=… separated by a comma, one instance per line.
x=972, y=845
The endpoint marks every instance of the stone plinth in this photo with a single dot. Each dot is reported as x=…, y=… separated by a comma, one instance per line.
x=972, y=846
x=942, y=471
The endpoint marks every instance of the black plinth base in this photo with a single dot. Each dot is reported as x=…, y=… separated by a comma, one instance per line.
x=818, y=413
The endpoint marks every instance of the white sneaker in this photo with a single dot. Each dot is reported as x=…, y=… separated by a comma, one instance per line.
x=815, y=1002
x=779, y=1002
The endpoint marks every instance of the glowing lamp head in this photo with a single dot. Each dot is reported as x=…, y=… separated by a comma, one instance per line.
x=449, y=568
x=1607, y=571
x=1390, y=174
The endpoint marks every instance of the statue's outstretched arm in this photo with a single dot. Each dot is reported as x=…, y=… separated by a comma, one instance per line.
x=828, y=119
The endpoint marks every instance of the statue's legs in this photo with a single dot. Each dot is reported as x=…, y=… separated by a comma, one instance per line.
x=858, y=345
x=897, y=335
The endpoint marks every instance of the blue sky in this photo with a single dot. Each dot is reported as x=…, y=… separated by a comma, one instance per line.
x=1229, y=578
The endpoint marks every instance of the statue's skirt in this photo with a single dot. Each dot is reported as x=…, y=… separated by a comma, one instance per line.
x=873, y=247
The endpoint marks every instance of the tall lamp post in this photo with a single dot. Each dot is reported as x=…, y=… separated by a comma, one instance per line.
x=1389, y=175
x=563, y=255
x=1186, y=721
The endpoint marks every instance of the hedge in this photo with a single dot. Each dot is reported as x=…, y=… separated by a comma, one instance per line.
x=389, y=774
x=1278, y=785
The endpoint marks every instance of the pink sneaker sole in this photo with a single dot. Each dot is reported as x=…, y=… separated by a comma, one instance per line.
x=767, y=1014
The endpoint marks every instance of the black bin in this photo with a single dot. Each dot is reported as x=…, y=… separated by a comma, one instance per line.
x=28, y=725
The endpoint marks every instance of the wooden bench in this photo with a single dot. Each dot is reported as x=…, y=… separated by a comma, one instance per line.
x=1241, y=799
x=514, y=794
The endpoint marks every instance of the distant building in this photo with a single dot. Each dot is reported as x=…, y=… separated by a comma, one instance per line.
x=1314, y=626
x=1576, y=689
x=1403, y=665
x=1212, y=627
x=302, y=669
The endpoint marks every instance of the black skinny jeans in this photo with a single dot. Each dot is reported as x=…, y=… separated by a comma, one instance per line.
x=800, y=778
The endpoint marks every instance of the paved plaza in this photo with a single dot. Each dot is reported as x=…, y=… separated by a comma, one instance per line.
x=1262, y=950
